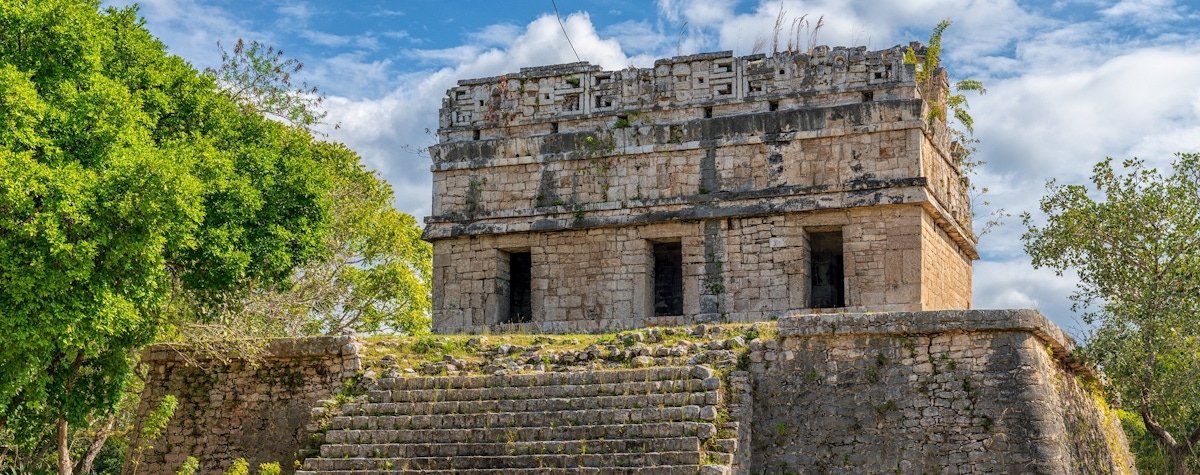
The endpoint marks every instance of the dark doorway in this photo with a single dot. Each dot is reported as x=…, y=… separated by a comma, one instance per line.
x=668, y=278
x=828, y=282
x=520, y=309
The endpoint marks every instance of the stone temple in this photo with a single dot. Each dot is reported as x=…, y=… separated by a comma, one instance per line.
x=821, y=189
x=708, y=188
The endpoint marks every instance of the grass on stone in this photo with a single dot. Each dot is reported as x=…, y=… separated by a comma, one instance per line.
x=415, y=351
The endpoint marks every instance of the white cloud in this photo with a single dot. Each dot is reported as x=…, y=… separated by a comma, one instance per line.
x=636, y=37
x=1048, y=124
x=384, y=127
x=192, y=29
x=325, y=39
x=1014, y=284
x=501, y=34
x=298, y=12
x=397, y=35
x=1143, y=11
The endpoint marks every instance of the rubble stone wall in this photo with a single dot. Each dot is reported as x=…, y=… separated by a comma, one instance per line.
x=229, y=409
x=982, y=391
x=977, y=391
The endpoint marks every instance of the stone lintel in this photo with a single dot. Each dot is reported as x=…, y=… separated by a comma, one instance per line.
x=937, y=321
x=714, y=206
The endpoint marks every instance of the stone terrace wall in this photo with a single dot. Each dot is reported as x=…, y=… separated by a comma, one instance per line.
x=229, y=409
x=979, y=391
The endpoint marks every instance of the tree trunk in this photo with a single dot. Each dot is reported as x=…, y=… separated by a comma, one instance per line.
x=1179, y=459
x=64, y=449
x=93, y=450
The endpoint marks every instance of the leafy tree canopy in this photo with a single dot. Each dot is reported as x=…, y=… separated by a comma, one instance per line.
x=125, y=174
x=1137, y=252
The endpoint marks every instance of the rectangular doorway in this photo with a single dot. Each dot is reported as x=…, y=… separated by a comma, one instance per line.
x=520, y=289
x=668, y=278
x=827, y=274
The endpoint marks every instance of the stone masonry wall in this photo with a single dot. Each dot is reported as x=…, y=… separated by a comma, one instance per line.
x=735, y=269
x=736, y=158
x=945, y=270
x=983, y=391
x=230, y=409
x=945, y=392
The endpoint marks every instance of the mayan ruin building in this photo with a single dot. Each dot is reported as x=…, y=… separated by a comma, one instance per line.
x=719, y=266
x=707, y=188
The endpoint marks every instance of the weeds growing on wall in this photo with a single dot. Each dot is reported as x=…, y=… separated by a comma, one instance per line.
x=950, y=101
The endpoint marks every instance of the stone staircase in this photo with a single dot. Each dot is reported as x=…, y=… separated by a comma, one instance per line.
x=660, y=421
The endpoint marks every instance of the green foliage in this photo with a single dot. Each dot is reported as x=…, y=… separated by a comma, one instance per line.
x=159, y=418
x=152, y=427
x=929, y=75
x=379, y=270
x=1150, y=456
x=1137, y=254
x=269, y=468
x=259, y=78
x=126, y=177
x=375, y=274
x=238, y=467
x=189, y=467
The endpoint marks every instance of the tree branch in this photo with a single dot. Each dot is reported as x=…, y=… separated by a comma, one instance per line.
x=85, y=465
x=1152, y=425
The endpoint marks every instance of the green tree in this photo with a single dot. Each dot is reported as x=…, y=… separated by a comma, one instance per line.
x=375, y=274
x=1136, y=250
x=125, y=176
x=376, y=271
x=931, y=77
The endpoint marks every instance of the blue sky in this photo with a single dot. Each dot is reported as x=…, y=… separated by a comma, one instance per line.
x=1069, y=82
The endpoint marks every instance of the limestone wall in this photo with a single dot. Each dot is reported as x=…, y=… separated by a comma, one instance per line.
x=580, y=90
x=945, y=269
x=986, y=391
x=735, y=158
x=979, y=391
x=735, y=269
x=641, y=166
x=229, y=409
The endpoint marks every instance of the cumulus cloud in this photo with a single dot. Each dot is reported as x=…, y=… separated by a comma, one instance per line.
x=191, y=29
x=1144, y=11
x=1011, y=284
x=386, y=130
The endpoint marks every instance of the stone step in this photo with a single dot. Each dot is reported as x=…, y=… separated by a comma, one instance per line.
x=548, y=404
x=660, y=470
x=547, y=379
x=528, y=419
x=650, y=459
x=570, y=447
x=537, y=392
x=522, y=434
